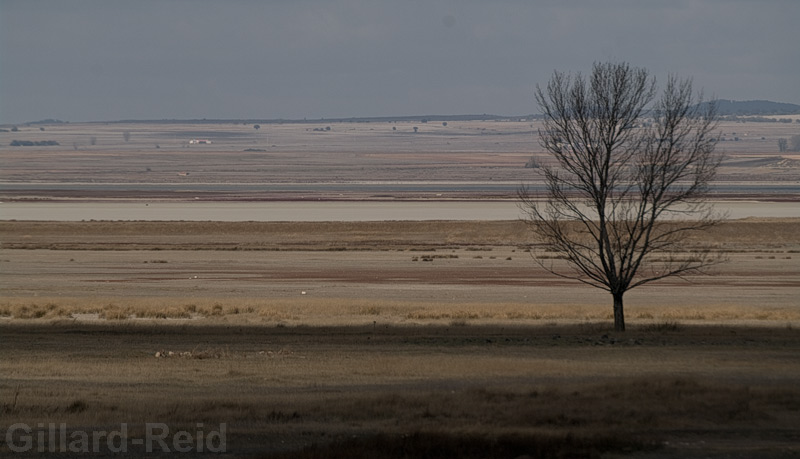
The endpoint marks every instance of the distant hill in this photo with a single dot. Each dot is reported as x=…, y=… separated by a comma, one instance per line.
x=755, y=107
x=374, y=119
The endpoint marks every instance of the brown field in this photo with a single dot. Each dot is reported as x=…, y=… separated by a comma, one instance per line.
x=407, y=339
x=381, y=339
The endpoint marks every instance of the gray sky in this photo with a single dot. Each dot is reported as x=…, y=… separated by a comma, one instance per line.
x=97, y=60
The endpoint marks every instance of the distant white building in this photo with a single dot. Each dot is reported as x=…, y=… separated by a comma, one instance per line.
x=199, y=141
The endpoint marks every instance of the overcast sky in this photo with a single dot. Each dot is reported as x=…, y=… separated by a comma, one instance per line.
x=97, y=60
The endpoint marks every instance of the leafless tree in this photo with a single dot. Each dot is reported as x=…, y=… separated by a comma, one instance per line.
x=626, y=187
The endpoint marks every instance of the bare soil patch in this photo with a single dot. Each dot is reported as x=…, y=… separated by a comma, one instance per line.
x=739, y=235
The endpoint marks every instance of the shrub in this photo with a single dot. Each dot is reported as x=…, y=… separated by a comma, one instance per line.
x=31, y=143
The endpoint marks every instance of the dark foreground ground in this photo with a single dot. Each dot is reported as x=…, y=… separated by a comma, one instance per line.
x=663, y=390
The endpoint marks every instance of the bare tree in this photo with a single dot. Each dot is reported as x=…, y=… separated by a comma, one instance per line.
x=627, y=184
x=795, y=141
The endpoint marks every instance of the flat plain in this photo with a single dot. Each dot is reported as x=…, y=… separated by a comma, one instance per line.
x=383, y=339
x=306, y=153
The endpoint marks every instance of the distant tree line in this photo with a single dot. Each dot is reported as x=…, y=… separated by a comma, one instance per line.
x=33, y=143
x=48, y=121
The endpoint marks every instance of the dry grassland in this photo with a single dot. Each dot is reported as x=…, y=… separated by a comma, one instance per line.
x=382, y=339
x=351, y=273
x=396, y=339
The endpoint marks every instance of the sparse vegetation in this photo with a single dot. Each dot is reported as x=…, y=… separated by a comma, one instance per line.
x=33, y=143
x=345, y=311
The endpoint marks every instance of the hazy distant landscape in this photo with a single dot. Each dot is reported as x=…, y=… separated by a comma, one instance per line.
x=407, y=159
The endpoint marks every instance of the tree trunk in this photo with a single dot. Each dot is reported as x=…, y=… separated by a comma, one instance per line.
x=619, y=313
